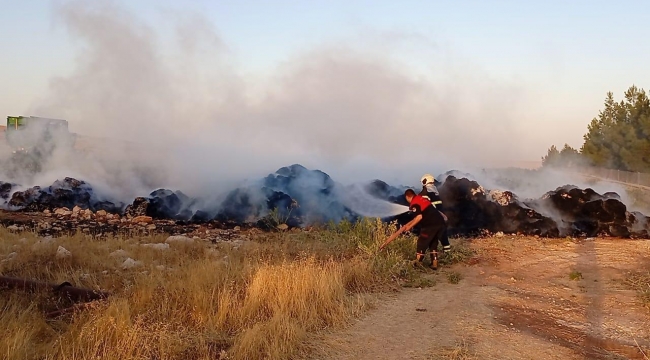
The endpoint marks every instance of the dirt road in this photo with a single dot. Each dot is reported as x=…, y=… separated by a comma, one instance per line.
x=525, y=298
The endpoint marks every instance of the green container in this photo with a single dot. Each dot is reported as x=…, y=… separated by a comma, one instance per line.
x=14, y=122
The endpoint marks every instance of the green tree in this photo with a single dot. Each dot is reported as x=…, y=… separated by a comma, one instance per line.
x=596, y=145
x=619, y=137
x=552, y=157
x=570, y=157
x=567, y=157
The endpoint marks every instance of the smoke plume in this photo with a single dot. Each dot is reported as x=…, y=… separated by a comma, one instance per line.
x=174, y=112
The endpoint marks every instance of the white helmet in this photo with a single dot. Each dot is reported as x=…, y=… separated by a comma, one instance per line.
x=427, y=179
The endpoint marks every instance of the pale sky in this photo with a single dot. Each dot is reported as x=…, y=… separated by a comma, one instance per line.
x=558, y=59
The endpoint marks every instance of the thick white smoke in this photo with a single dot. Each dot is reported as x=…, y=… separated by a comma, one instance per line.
x=174, y=112
x=184, y=101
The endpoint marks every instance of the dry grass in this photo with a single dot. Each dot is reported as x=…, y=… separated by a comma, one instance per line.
x=259, y=299
x=641, y=283
x=461, y=351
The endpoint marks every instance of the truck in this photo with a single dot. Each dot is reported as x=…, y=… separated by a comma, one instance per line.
x=33, y=139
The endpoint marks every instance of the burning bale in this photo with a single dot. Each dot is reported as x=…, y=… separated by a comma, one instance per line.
x=295, y=196
x=67, y=193
x=567, y=211
x=162, y=204
x=639, y=224
x=471, y=209
x=583, y=212
x=5, y=191
x=316, y=197
x=386, y=192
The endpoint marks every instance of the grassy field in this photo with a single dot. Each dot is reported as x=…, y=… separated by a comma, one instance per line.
x=259, y=298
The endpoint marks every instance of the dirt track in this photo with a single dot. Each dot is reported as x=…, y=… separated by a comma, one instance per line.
x=517, y=302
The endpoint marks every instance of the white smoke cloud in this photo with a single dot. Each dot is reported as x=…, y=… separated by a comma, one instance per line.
x=176, y=113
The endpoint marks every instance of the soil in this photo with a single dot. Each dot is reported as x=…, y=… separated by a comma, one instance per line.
x=516, y=301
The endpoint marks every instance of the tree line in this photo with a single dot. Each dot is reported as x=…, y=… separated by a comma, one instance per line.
x=618, y=138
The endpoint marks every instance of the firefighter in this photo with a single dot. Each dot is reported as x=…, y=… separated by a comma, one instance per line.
x=431, y=222
x=430, y=192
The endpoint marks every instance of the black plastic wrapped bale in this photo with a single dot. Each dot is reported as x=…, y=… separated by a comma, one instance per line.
x=515, y=216
x=584, y=212
x=166, y=204
x=253, y=205
x=299, y=195
x=313, y=191
x=26, y=200
x=471, y=209
x=107, y=206
x=383, y=191
x=465, y=207
x=201, y=217
x=5, y=190
x=242, y=205
x=639, y=224
x=67, y=193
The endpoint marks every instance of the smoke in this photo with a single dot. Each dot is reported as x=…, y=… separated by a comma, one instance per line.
x=175, y=112
x=361, y=202
x=183, y=99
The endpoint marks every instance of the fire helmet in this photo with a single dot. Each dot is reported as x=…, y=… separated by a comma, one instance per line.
x=427, y=179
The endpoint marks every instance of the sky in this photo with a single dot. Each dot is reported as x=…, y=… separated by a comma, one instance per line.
x=365, y=81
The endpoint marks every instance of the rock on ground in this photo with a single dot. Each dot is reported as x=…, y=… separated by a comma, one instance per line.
x=179, y=240
x=157, y=246
x=62, y=253
x=130, y=263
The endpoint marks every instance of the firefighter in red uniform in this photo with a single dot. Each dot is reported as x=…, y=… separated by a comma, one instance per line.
x=432, y=224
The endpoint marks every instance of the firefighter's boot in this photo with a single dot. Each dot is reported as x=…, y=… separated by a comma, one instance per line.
x=434, y=260
x=418, y=260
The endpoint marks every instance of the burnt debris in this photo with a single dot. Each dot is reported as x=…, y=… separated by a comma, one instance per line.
x=296, y=196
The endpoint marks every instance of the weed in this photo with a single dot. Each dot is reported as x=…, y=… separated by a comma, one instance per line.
x=459, y=253
x=277, y=217
x=454, y=277
x=575, y=275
